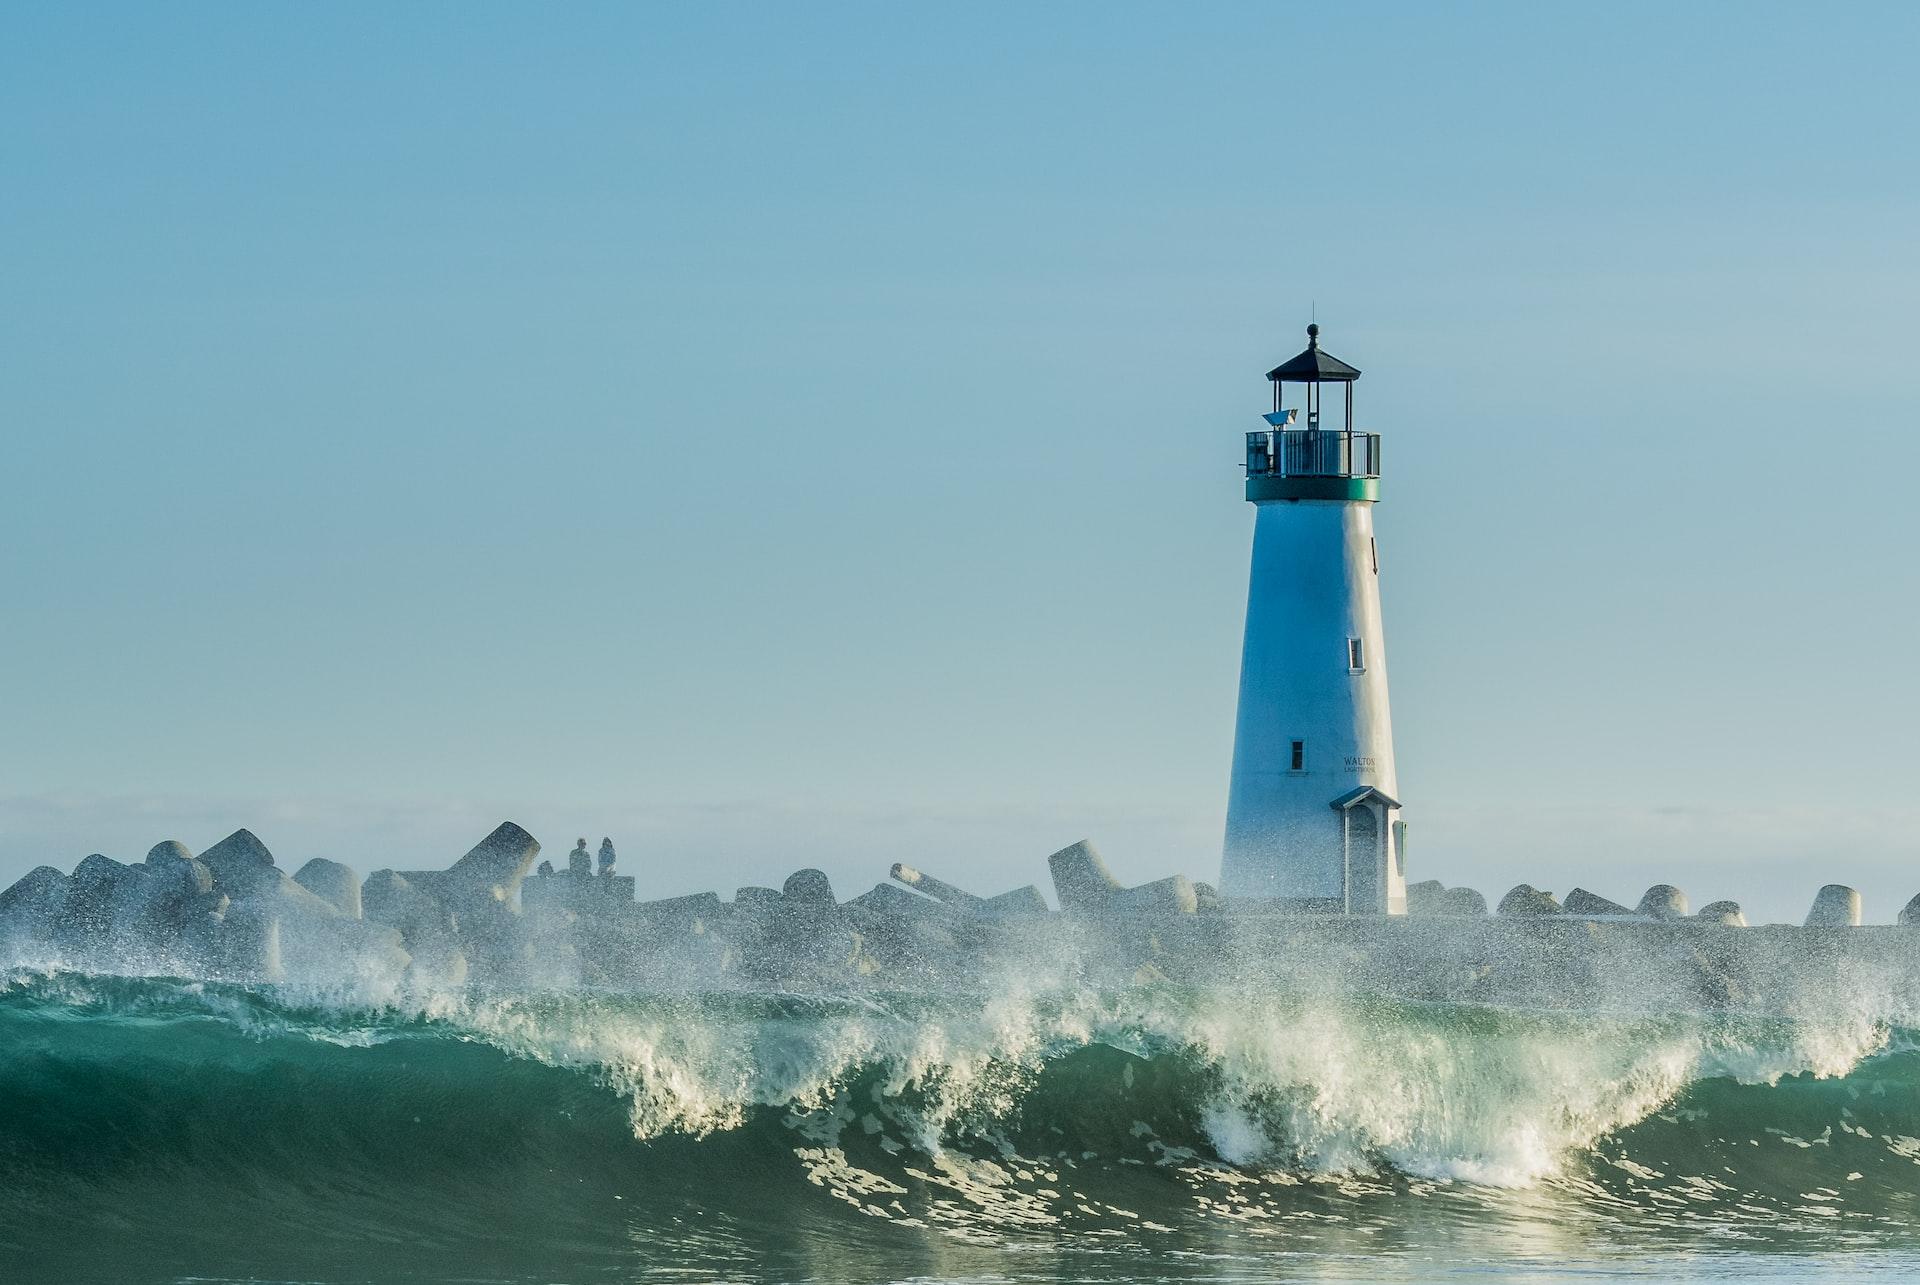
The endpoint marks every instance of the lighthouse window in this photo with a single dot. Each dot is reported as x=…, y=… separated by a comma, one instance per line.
x=1356, y=655
x=1299, y=759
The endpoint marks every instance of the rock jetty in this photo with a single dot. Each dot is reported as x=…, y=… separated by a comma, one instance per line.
x=492, y=918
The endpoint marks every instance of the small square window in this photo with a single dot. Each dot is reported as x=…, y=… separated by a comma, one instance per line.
x=1356, y=655
x=1299, y=758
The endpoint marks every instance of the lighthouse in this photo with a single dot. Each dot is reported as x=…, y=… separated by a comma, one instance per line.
x=1313, y=811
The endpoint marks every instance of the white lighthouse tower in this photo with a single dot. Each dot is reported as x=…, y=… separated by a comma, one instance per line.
x=1313, y=810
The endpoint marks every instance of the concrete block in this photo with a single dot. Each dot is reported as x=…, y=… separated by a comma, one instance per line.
x=333, y=883
x=756, y=900
x=938, y=889
x=494, y=867
x=239, y=863
x=32, y=906
x=1431, y=898
x=1662, y=901
x=891, y=899
x=1173, y=895
x=389, y=898
x=807, y=888
x=704, y=907
x=86, y=916
x=249, y=948
x=1525, y=899
x=1081, y=881
x=1424, y=895
x=276, y=893
x=1021, y=901
x=179, y=870
x=1591, y=905
x=153, y=902
x=1835, y=906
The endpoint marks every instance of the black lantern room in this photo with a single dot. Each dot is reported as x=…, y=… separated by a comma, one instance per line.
x=1314, y=368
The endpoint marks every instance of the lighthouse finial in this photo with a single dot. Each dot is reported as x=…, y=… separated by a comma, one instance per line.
x=1313, y=334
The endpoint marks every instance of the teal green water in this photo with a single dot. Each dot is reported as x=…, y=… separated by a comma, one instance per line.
x=156, y=1129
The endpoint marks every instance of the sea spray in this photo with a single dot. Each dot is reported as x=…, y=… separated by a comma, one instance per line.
x=1035, y=1106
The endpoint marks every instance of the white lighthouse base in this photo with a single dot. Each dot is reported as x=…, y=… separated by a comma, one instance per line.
x=1312, y=813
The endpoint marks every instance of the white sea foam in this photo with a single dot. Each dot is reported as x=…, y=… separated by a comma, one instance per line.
x=1294, y=1081
x=1318, y=1086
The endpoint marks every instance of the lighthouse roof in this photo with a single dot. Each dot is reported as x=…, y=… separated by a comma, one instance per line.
x=1314, y=366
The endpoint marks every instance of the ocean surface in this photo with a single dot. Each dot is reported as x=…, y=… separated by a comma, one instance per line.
x=162, y=1129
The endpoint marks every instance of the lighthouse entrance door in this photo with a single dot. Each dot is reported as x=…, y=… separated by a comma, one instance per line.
x=1363, y=860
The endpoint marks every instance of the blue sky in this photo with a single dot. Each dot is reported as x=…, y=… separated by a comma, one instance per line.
x=808, y=434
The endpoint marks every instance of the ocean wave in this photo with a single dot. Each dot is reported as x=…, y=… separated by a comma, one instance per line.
x=942, y=1103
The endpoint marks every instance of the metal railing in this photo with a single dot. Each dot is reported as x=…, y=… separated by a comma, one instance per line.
x=1312, y=452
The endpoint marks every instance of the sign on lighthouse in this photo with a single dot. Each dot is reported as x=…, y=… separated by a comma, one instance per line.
x=1313, y=808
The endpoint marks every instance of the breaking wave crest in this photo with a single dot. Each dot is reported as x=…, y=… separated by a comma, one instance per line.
x=737, y=1128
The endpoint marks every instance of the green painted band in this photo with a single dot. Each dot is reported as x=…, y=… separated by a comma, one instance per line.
x=1313, y=488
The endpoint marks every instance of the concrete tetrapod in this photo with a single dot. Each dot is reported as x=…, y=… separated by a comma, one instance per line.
x=807, y=887
x=31, y=908
x=155, y=901
x=1172, y=895
x=695, y=909
x=1423, y=895
x=1021, y=901
x=491, y=870
x=333, y=883
x=1525, y=899
x=892, y=899
x=1662, y=901
x=1835, y=906
x=86, y=915
x=1081, y=881
x=1430, y=897
x=390, y=898
x=239, y=863
x=179, y=869
x=938, y=889
x=756, y=900
x=1591, y=905
x=1084, y=885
